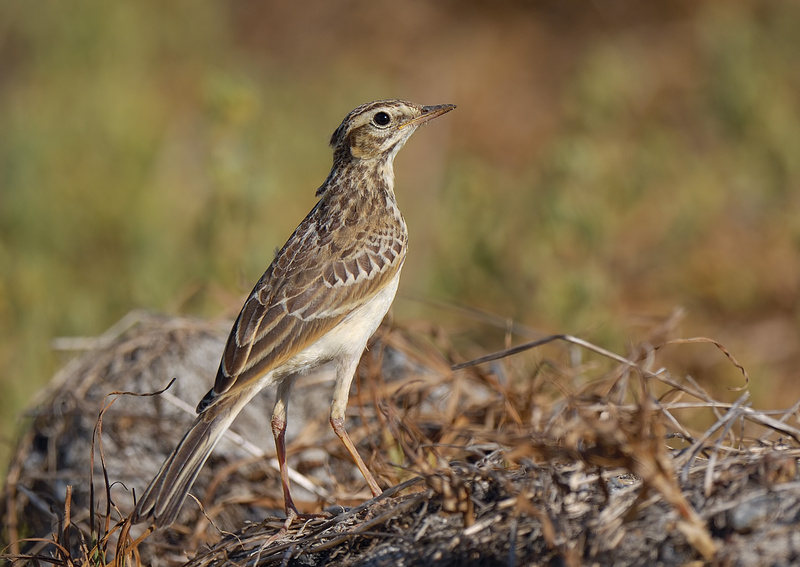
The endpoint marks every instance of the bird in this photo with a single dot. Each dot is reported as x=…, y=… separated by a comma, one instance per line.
x=319, y=301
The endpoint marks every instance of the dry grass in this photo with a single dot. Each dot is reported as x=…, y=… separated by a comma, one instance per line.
x=585, y=457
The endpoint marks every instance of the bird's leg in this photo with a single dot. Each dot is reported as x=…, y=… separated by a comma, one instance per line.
x=279, y=412
x=338, y=427
x=341, y=392
x=279, y=433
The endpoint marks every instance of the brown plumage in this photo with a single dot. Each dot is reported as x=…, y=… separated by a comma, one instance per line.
x=319, y=301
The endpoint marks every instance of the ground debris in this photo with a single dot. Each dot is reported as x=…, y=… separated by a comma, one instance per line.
x=566, y=464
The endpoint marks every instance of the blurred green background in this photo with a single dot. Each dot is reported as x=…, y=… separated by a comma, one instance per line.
x=608, y=162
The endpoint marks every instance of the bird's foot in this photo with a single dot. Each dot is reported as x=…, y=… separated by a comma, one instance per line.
x=291, y=515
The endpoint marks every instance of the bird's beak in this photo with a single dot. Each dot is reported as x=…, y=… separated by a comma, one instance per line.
x=428, y=113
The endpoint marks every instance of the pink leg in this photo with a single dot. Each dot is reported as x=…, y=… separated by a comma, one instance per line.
x=341, y=392
x=279, y=432
x=338, y=428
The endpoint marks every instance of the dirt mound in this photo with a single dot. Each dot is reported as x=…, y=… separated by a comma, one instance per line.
x=560, y=462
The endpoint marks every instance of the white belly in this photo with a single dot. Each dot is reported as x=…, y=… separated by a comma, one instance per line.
x=349, y=338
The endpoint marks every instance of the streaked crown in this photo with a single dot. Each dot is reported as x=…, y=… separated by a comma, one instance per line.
x=379, y=129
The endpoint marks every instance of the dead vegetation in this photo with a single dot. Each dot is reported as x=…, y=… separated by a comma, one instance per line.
x=563, y=456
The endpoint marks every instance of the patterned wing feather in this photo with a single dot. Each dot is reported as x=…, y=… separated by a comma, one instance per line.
x=311, y=285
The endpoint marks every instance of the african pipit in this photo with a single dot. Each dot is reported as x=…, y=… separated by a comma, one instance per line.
x=319, y=301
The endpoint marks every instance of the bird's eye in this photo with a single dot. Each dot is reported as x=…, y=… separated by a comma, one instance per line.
x=381, y=118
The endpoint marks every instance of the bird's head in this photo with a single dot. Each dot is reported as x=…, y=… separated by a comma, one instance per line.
x=379, y=129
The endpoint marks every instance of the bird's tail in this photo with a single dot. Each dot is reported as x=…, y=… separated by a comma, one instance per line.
x=163, y=499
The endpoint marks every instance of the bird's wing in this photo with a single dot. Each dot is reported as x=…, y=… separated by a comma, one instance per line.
x=321, y=274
